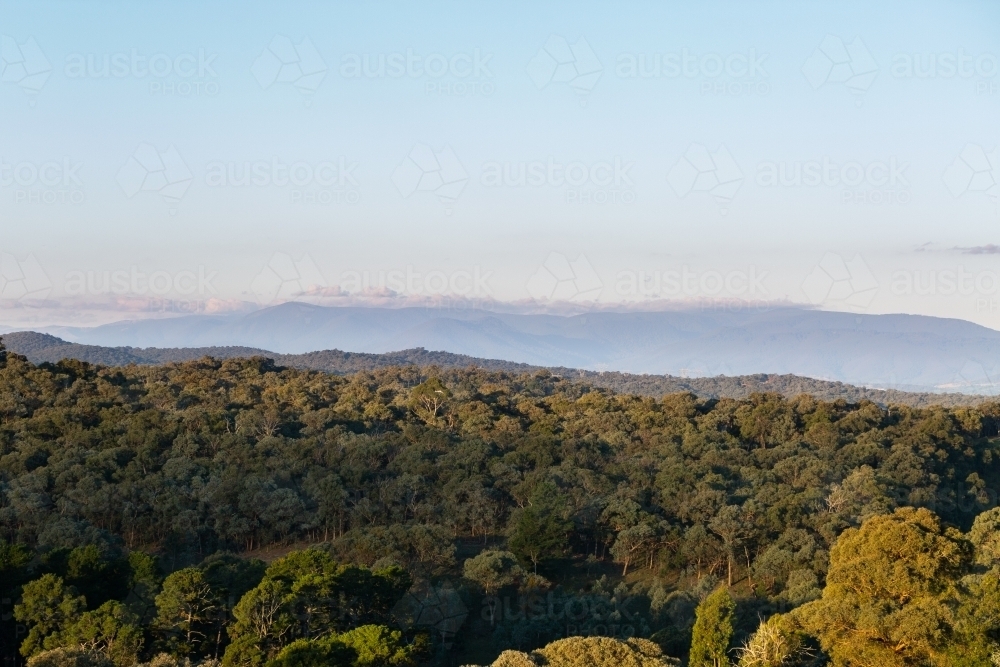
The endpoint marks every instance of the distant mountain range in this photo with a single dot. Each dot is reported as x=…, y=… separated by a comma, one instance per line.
x=40, y=348
x=909, y=352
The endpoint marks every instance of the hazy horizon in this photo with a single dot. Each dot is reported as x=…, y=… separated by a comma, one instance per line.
x=202, y=158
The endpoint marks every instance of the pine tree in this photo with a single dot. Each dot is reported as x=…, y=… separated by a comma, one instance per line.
x=713, y=628
x=47, y=606
x=187, y=610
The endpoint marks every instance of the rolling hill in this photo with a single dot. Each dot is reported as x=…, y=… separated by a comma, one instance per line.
x=908, y=352
x=39, y=347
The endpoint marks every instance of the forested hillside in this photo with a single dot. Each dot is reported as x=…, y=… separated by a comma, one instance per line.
x=43, y=347
x=540, y=506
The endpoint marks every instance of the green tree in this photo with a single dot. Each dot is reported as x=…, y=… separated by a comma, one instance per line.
x=493, y=569
x=231, y=576
x=891, y=591
x=262, y=624
x=378, y=646
x=590, y=652
x=244, y=651
x=985, y=537
x=713, y=629
x=764, y=419
x=976, y=629
x=111, y=630
x=187, y=613
x=539, y=531
x=632, y=542
x=92, y=570
x=428, y=398
x=98, y=576
x=699, y=547
x=143, y=585
x=368, y=596
x=305, y=595
x=324, y=652
x=730, y=525
x=47, y=606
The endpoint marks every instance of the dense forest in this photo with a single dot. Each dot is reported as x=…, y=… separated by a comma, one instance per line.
x=40, y=348
x=240, y=511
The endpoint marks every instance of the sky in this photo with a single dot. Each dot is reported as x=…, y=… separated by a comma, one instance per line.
x=163, y=158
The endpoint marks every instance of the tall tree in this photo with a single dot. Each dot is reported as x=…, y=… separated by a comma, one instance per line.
x=188, y=612
x=492, y=570
x=539, y=531
x=428, y=398
x=713, y=630
x=728, y=524
x=631, y=543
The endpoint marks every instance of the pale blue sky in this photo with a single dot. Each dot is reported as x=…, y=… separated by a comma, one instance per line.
x=648, y=217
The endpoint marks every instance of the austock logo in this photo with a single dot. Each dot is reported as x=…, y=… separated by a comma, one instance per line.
x=285, y=278
x=436, y=607
x=23, y=64
x=459, y=74
x=50, y=182
x=835, y=62
x=183, y=74
x=943, y=65
x=981, y=286
x=149, y=170
x=22, y=279
x=732, y=74
x=326, y=182
x=424, y=170
x=689, y=283
x=714, y=173
x=133, y=282
x=415, y=66
x=284, y=62
x=560, y=63
x=837, y=282
x=602, y=182
x=979, y=377
x=875, y=182
x=685, y=64
x=559, y=279
x=945, y=282
x=473, y=282
x=583, y=615
x=974, y=170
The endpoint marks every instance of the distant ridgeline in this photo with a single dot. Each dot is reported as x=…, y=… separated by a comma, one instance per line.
x=40, y=348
